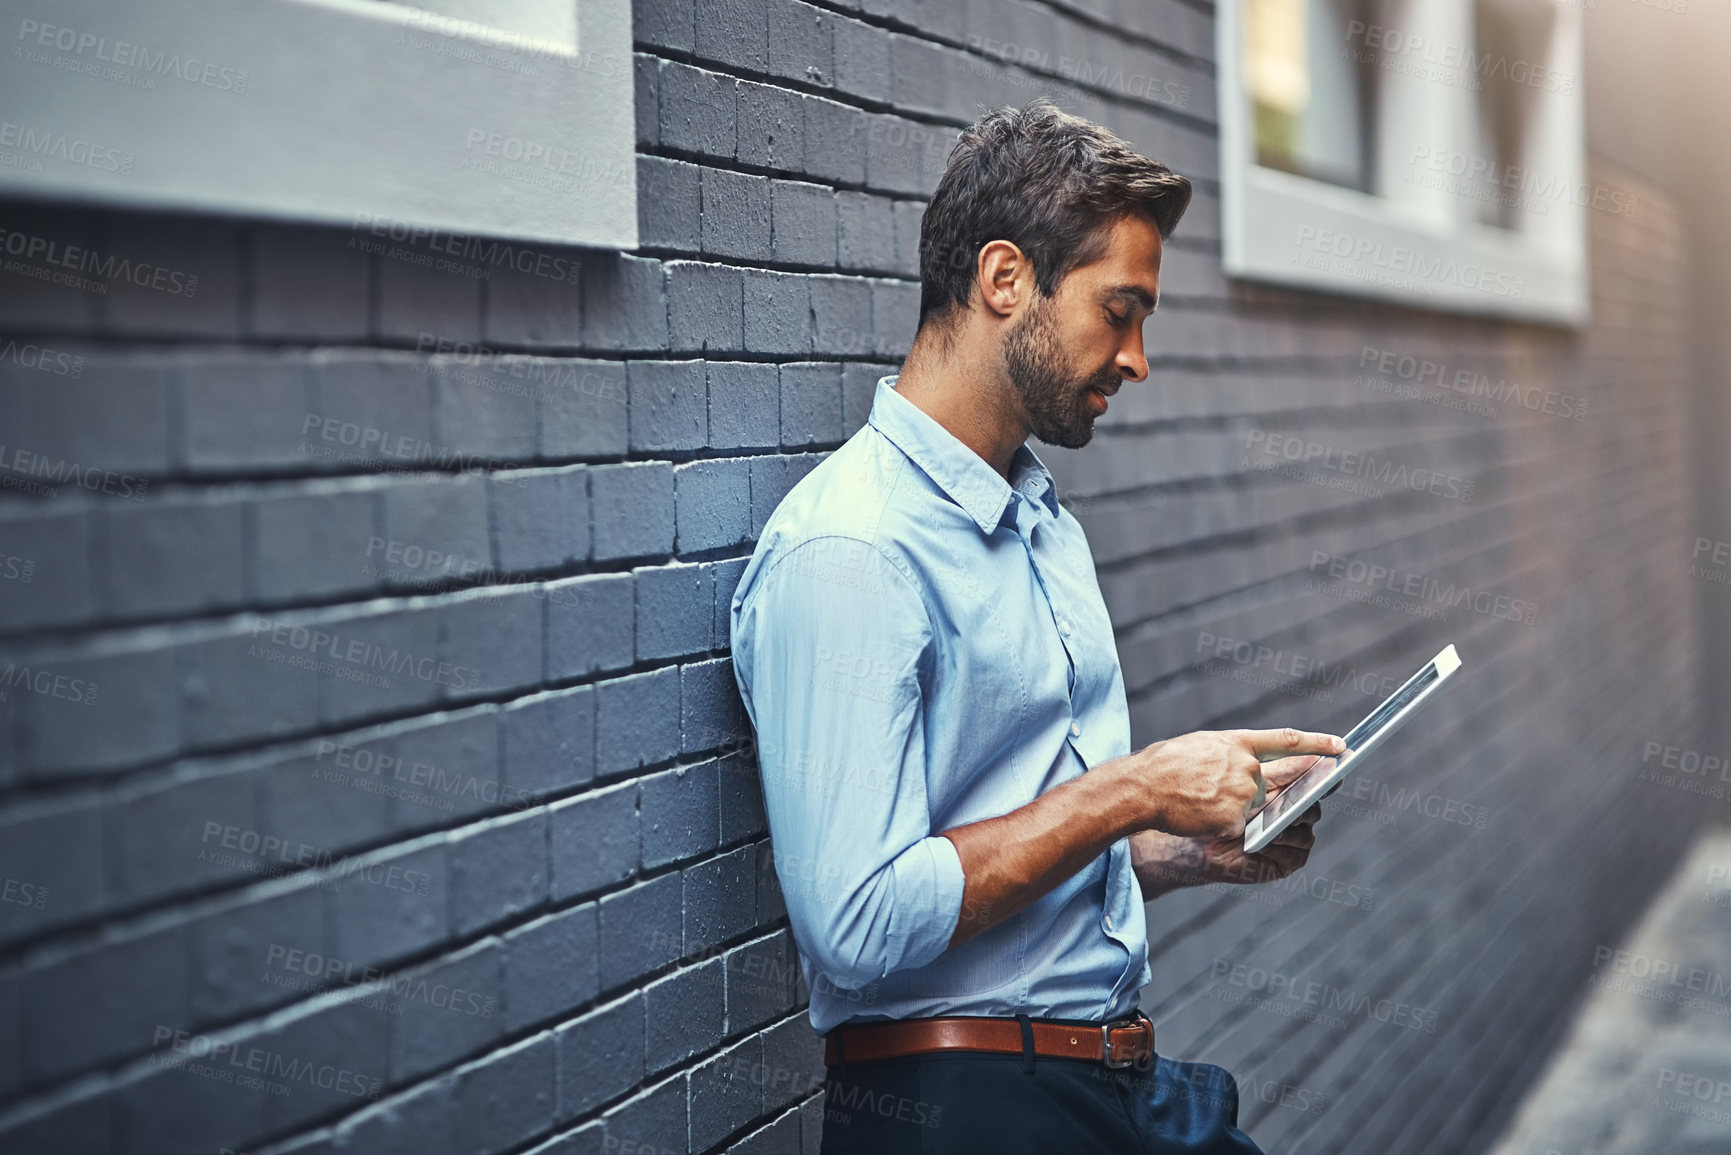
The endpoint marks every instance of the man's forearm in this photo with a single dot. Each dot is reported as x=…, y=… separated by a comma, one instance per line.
x=1194, y=786
x=1009, y=861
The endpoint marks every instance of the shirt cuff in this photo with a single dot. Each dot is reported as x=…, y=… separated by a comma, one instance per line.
x=929, y=881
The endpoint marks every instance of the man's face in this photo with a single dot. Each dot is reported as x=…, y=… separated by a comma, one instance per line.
x=1069, y=352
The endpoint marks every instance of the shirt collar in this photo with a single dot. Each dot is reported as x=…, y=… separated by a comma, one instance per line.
x=960, y=472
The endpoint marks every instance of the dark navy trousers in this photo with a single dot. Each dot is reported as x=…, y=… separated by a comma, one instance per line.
x=959, y=1103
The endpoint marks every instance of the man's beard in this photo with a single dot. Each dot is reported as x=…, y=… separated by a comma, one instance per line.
x=1058, y=407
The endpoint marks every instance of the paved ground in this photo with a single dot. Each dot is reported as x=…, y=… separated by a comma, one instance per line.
x=1646, y=1069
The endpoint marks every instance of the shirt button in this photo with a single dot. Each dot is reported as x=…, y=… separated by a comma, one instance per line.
x=1108, y=922
x=1075, y=730
x=1065, y=626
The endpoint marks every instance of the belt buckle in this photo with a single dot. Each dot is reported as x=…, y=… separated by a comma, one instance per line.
x=1108, y=1056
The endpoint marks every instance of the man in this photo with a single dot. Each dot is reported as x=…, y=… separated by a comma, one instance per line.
x=962, y=833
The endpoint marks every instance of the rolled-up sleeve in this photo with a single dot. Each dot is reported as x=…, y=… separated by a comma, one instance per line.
x=828, y=642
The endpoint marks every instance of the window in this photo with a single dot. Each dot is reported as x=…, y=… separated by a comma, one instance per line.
x=1313, y=108
x=507, y=118
x=1424, y=151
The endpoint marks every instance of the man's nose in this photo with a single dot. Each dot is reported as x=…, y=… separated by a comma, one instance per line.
x=1132, y=363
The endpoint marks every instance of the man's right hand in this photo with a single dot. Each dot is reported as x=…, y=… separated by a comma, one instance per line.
x=1203, y=784
x=1195, y=785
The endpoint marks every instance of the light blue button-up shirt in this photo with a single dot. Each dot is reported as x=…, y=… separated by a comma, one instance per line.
x=921, y=644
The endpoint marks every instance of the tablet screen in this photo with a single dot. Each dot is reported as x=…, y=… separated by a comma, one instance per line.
x=1288, y=798
x=1360, y=735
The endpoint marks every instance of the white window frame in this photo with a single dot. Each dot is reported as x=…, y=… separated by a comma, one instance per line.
x=346, y=112
x=1421, y=246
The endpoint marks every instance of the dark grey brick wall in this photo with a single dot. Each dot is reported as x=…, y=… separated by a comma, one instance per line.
x=1413, y=977
x=379, y=783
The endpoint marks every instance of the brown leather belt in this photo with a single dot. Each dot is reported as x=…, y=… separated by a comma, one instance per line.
x=1124, y=1043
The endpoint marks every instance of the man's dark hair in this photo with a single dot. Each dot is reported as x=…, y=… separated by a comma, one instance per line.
x=1049, y=183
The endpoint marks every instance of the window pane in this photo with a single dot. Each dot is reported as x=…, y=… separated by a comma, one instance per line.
x=1512, y=50
x=1312, y=88
x=552, y=21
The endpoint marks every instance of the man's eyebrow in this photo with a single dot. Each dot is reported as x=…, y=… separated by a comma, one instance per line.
x=1136, y=293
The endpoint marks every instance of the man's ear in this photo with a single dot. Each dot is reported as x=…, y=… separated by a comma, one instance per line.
x=1004, y=277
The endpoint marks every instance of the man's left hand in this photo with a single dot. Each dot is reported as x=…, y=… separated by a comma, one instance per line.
x=1166, y=862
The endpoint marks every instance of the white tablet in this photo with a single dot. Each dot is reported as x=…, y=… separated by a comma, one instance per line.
x=1284, y=808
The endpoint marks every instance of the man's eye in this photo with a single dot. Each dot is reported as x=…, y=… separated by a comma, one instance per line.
x=1116, y=319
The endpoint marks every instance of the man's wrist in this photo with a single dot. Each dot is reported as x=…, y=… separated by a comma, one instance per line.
x=1125, y=803
x=1167, y=862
